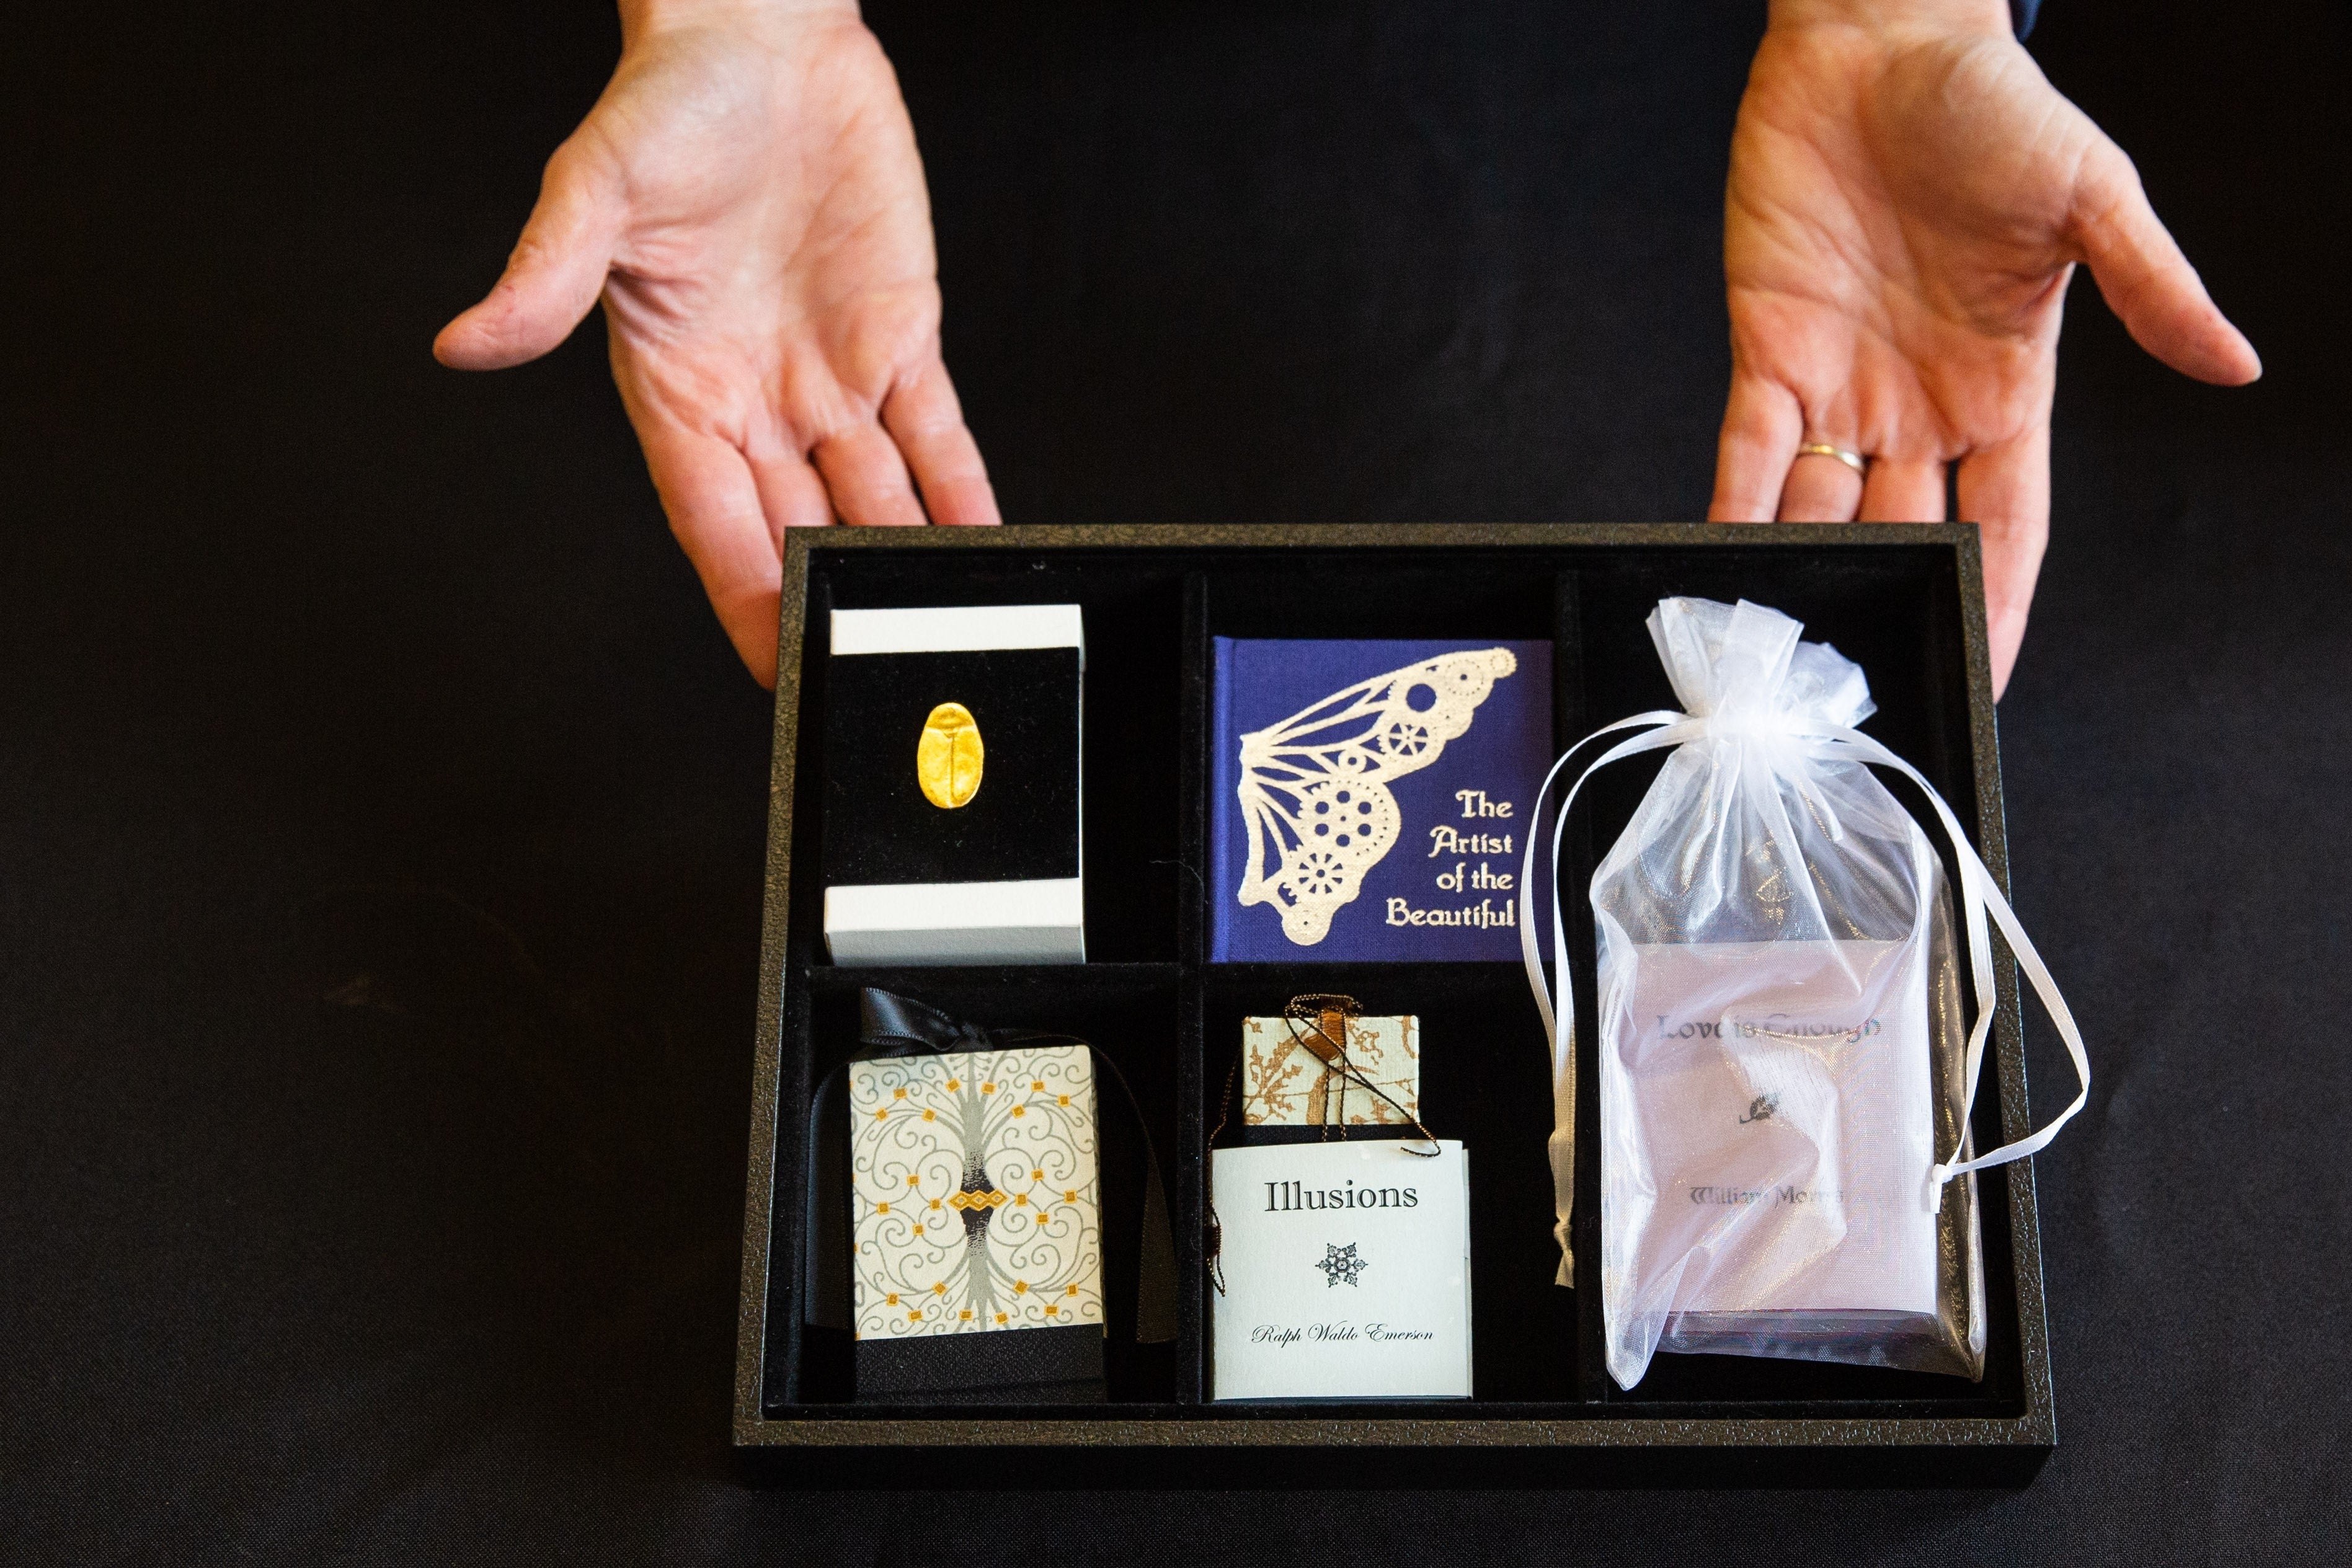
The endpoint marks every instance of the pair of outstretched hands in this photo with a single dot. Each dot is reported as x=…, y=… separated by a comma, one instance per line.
x=1909, y=197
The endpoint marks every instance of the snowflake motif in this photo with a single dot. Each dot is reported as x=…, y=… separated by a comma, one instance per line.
x=1340, y=1263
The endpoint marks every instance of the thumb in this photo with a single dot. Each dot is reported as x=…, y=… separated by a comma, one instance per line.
x=2147, y=281
x=555, y=274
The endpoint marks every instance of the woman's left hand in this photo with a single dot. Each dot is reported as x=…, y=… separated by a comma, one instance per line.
x=1909, y=198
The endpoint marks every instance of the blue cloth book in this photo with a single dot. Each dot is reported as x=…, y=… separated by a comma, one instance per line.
x=1372, y=798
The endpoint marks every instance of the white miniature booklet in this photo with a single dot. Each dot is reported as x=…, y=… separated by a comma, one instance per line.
x=1774, y=1102
x=1347, y=1269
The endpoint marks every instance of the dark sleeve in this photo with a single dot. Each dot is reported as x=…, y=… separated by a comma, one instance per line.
x=2021, y=13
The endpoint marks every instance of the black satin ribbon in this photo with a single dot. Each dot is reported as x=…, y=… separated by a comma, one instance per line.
x=896, y=1026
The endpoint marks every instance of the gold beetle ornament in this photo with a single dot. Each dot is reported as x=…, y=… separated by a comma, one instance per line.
x=948, y=758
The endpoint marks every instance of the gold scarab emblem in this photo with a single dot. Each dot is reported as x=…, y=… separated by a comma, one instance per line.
x=948, y=758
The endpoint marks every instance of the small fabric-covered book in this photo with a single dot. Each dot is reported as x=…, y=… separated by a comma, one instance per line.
x=959, y=1180
x=1371, y=797
x=1286, y=1083
x=976, y=1207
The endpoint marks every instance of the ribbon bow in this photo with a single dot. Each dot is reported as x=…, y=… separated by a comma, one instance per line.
x=899, y=1026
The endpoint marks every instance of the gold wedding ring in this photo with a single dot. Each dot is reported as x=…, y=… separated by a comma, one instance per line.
x=1853, y=460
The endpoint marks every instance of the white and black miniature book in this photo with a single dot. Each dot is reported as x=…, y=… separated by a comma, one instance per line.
x=953, y=814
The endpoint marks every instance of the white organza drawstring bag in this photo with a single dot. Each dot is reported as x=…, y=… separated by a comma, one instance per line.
x=1785, y=1069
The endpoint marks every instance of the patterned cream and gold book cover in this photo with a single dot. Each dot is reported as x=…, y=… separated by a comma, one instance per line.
x=1286, y=1084
x=976, y=1202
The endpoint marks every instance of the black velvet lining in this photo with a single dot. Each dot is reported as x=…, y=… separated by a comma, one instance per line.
x=1054, y=1366
x=1023, y=823
x=1176, y=1019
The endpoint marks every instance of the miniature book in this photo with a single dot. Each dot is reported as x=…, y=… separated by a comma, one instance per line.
x=976, y=1213
x=1371, y=797
x=1785, y=1067
x=1347, y=1271
x=1781, y=1091
x=953, y=803
x=1288, y=1082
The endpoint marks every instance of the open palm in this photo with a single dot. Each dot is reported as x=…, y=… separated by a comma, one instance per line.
x=747, y=200
x=1906, y=206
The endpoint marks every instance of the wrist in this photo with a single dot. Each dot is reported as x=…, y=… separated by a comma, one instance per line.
x=640, y=18
x=1883, y=15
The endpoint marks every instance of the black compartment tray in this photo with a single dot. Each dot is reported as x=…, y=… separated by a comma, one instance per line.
x=1906, y=601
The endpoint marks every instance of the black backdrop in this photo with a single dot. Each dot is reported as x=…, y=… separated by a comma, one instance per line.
x=381, y=810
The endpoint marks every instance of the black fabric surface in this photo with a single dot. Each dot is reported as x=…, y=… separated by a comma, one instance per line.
x=1036, y=1367
x=1022, y=822
x=380, y=809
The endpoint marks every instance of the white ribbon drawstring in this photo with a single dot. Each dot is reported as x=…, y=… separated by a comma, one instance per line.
x=1980, y=896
